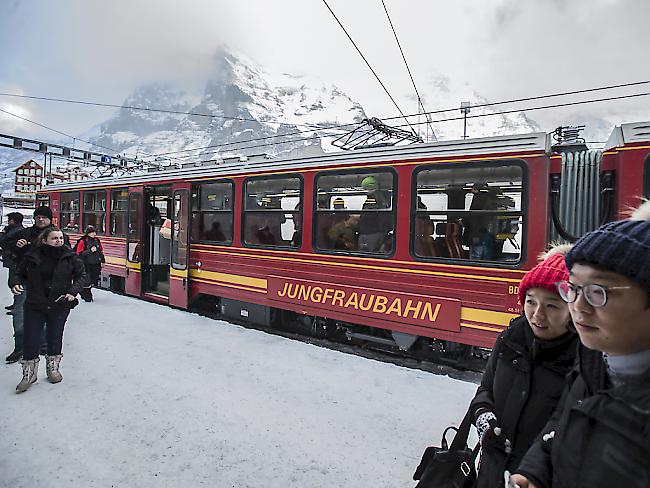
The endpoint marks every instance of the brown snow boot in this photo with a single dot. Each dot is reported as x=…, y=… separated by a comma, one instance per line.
x=30, y=371
x=52, y=368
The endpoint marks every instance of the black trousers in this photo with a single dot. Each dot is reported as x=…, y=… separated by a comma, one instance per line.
x=35, y=320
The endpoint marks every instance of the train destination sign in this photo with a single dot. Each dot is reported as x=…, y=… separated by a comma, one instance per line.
x=416, y=309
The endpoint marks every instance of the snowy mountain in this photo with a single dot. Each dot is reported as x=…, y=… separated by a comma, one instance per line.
x=241, y=102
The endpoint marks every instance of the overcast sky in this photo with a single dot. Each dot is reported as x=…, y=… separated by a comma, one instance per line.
x=501, y=49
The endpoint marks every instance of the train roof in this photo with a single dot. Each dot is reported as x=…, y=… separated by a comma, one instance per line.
x=628, y=134
x=537, y=142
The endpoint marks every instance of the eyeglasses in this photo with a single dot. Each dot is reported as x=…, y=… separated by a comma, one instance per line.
x=595, y=295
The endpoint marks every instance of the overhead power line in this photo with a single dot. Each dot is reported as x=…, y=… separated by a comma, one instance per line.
x=528, y=99
x=368, y=64
x=159, y=110
x=55, y=130
x=543, y=107
x=399, y=45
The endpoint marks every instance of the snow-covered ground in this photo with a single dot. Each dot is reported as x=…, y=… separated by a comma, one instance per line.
x=158, y=397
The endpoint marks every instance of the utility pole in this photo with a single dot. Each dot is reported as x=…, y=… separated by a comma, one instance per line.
x=465, y=108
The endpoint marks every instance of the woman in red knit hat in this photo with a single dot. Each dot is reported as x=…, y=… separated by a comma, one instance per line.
x=524, y=377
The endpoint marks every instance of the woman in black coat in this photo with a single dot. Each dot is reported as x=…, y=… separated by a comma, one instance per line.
x=89, y=249
x=52, y=275
x=525, y=375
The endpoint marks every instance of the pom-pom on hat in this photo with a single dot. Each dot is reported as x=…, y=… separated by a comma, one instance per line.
x=622, y=247
x=546, y=273
x=43, y=211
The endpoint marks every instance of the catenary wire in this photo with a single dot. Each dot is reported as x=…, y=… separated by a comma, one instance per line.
x=503, y=102
x=160, y=110
x=341, y=126
x=399, y=45
x=368, y=64
x=539, y=97
x=530, y=109
x=57, y=131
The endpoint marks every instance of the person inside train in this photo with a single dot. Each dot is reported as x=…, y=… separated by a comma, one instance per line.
x=344, y=235
x=374, y=225
x=478, y=233
x=424, y=242
x=524, y=376
x=599, y=435
x=215, y=233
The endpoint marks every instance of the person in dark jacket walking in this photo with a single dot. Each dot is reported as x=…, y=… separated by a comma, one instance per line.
x=599, y=436
x=525, y=375
x=15, y=225
x=89, y=248
x=53, y=274
x=19, y=244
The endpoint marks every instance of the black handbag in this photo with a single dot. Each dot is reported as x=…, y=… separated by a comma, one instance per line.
x=449, y=466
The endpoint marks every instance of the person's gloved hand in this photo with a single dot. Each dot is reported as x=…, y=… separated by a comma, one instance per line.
x=490, y=434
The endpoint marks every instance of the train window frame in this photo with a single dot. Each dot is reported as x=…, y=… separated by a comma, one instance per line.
x=84, y=212
x=136, y=237
x=523, y=211
x=244, y=211
x=179, y=257
x=394, y=209
x=62, y=212
x=124, y=213
x=199, y=211
x=646, y=177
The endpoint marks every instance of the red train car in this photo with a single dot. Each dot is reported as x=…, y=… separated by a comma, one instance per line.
x=424, y=243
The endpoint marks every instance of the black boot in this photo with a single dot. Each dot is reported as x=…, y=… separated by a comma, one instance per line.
x=87, y=294
x=14, y=357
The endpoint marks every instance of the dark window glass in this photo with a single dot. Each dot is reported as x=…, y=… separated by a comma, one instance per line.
x=471, y=212
x=180, y=233
x=70, y=211
x=134, y=235
x=119, y=212
x=355, y=212
x=94, y=210
x=212, y=212
x=273, y=212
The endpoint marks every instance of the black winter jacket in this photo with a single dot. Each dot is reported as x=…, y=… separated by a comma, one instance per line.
x=522, y=385
x=7, y=244
x=69, y=276
x=600, y=433
x=30, y=234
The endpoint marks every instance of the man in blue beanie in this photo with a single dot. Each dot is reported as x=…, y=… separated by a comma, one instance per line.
x=599, y=435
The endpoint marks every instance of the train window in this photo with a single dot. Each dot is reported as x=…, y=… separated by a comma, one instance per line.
x=134, y=234
x=273, y=212
x=119, y=212
x=355, y=212
x=469, y=212
x=212, y=211
x=70, y=211
x=180, y=234
x=94, y=210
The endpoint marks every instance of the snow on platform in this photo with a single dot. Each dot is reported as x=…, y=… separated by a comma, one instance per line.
x=155, y=397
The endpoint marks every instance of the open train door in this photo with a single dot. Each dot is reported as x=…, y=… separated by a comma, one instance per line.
x=134, y=242
x=180, y=253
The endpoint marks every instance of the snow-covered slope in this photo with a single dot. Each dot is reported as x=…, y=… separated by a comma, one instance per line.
x=241, y=102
